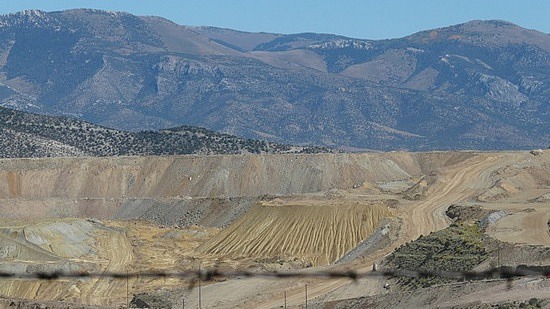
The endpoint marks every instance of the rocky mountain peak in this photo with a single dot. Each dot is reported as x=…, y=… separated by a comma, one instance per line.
x=27, y=18
x=32, y=15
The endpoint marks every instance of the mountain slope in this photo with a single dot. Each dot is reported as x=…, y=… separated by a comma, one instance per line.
x=483, y=84
x=25, y=135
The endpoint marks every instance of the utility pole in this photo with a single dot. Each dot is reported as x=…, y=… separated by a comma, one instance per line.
x=306, y=296
x=200, y=275
x=498, y=256
x=285, y=299
x=127, y=300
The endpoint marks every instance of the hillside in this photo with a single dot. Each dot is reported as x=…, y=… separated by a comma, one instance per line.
x=24, y=135
x=478, y=85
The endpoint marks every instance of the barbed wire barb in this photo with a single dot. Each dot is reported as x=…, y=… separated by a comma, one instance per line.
x=206, y=275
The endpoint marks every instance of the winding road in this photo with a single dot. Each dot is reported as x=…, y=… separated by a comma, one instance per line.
x=104, y=291
x=456, y=184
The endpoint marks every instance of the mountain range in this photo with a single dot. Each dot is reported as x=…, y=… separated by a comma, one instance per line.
x=478, y=85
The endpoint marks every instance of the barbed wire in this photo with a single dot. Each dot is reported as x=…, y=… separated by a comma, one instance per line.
x=214, y=274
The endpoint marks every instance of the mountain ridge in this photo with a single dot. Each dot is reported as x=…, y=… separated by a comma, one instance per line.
x=25, y=135
x=477, y=85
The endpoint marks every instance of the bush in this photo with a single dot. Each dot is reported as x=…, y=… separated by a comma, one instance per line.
x=457, y=248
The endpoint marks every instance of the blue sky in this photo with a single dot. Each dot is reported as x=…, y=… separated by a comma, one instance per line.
x=367, y=19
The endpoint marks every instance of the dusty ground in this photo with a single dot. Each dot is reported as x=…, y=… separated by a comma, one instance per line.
x=81, y=245
x=251, y=212
x=317, y=232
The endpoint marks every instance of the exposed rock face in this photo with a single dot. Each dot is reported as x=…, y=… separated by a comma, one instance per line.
x=479, y=85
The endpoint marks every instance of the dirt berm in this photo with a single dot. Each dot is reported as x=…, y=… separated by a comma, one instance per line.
x=186, y=190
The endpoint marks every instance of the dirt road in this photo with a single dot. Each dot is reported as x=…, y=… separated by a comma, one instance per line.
x=453, y=178
x=455, y=184
x=523, y=289
x=119, y=255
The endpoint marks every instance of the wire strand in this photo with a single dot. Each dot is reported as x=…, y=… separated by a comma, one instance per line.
x=212, y=274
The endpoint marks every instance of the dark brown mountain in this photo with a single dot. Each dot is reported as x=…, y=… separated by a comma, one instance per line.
x=479, y=85
x=26, y=135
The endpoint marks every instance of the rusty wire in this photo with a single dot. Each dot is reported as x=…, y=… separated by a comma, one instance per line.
x=213, y=274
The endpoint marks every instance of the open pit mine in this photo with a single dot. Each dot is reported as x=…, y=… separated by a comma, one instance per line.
x=265, y=213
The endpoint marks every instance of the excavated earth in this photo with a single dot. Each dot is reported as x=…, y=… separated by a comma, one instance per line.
x=254, y=213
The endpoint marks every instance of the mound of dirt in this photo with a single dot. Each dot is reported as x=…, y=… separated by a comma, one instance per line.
x=317, y=233
x=68, y=239
x=182, y=190
x=195, y=176
x=499, y=191
x=66, y=245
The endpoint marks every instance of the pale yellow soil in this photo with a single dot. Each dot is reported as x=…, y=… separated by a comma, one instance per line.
x=418, y=218
x=318, y=207
x=461, y=182
x=527, y=223
x=318, y=234
x=118, y=247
